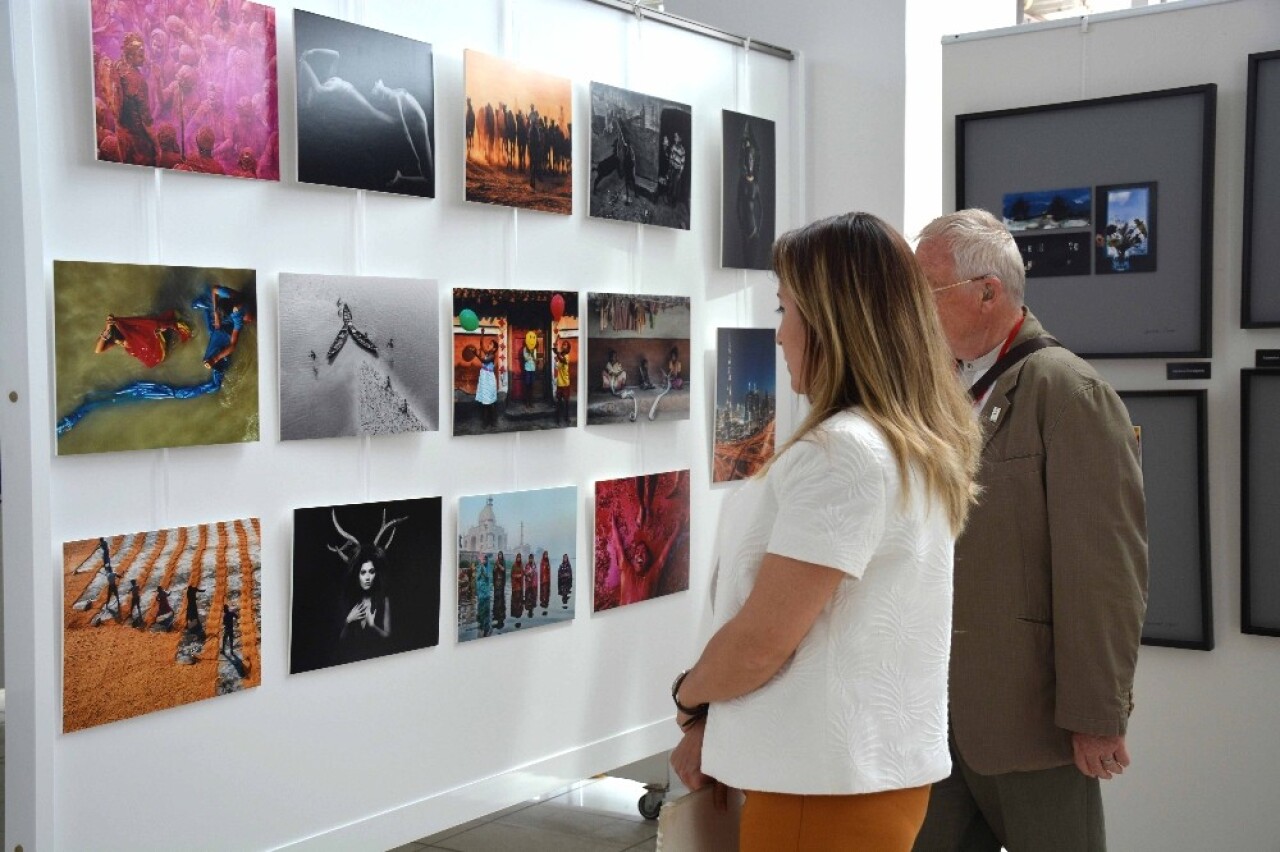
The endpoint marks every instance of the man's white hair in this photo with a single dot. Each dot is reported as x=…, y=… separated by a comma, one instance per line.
x=980, y=244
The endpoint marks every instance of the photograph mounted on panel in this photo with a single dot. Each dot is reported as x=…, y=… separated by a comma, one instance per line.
x=358, y=356
x=516, y=558
x=1045, y=255
x=1170, y=430
x=746, y=401
x=1048, y=209
x=196, y=92
x=155, y=620
x=749, y=205
x=1261, y=250
x=366, y=581
x=641, y=538
x=153, y=356
x=365, y=106
x=519, y=126
x=515, y=360
x=1259, y=501
x=637, y=348
x=641, y=150
x=1126, y=237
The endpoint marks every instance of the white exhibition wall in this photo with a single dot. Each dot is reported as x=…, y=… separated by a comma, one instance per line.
x=1206, y=757
x=375, y=754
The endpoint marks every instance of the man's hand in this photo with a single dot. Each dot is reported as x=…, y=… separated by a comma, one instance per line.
x=1099, y=757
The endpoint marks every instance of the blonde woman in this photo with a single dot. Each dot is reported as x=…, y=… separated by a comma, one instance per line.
x=823, y=692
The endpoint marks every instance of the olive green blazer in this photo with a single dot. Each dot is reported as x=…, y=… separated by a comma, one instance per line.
x=1051, y=569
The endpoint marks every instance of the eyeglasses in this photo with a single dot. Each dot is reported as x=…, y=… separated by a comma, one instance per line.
x=960, y=283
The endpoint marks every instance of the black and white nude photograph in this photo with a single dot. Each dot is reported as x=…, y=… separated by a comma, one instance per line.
x=366, y=581
x=748, y=211
x=366, y=108
x=641, y=157
x=358, y=356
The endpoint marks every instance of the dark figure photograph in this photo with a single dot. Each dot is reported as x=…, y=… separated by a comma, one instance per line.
x=641, y=538
x=519, y=135
x=115, y=667
x=194, y=92
x=366, y=108
x=353, y=356
x=641, y=157
x=636, y=347
x=366, y=581
x=515, y=360
x=749, y=206
x=499, y=537
x=153, y=356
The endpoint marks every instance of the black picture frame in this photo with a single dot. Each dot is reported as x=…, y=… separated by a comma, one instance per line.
x=1259, y=495
x=1172, y=426
x=1165, y=137
x=1260, y=259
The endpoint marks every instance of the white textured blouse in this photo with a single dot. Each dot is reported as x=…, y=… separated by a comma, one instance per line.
x=861, y=706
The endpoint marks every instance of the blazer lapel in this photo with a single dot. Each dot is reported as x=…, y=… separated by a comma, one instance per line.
x=996, y=408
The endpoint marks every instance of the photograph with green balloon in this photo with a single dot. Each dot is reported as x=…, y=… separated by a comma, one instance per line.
x=515, y=360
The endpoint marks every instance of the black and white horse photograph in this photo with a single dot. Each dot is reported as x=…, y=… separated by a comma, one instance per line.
x=641, y=157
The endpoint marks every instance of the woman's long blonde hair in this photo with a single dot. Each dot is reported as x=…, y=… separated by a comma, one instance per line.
x=872, y=339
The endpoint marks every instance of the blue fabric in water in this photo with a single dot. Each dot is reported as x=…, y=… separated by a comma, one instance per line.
x=138, y=391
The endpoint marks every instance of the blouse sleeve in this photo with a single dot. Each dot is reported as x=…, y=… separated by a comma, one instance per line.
x=832, y=495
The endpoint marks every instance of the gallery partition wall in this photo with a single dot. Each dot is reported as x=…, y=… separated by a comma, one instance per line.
x=308, y=334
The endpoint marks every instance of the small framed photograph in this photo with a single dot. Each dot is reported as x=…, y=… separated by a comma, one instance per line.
x=1125, y=239
x=1259, y=499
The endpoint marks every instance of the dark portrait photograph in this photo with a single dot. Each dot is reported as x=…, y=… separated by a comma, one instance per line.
x=748, y=212
x=366, y=581
x=641, y=157
x=366, y=108
x=519, y=125
x=354, y=358
x=192, y=92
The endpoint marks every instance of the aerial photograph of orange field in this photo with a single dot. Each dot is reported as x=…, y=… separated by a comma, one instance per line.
x=155, y=620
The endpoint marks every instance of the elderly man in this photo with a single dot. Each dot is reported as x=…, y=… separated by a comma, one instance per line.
x=1050, y=573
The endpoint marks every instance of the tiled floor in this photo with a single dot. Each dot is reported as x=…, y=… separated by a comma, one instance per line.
x=597, y=815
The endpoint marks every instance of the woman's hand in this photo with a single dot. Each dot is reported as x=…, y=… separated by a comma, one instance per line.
x=357, y=612
x=686, y=758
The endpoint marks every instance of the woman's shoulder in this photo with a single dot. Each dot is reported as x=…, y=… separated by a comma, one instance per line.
x=845, y=440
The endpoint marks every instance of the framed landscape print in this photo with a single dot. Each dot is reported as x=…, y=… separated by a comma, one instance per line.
x=1171, y=431
x=1260, y=502
x=1261, y=260
x=1129, y=273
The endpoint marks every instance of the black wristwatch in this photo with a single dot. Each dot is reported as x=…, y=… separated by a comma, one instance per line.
x=700, y=710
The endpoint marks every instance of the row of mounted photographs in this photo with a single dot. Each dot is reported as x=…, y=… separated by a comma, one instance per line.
x=150, y=356
x=155, y=620
x=200, y=94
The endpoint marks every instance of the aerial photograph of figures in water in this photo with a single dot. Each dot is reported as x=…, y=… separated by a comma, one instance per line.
x=195, y=92
x=519, y=126
x=637, y=349
x=750, y=185
x=358, y=356
x=366, y=107
x=153, y=356
x=641, y=157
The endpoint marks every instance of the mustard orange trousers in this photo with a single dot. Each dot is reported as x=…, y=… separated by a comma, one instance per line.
x=871, y=822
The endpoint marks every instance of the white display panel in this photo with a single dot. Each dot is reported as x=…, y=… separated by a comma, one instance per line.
x=376, y=754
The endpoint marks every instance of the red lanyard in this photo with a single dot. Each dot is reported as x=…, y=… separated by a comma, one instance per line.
x=1008, y=341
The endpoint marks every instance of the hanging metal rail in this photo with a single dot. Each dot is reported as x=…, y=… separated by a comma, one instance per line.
x=643, y=12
